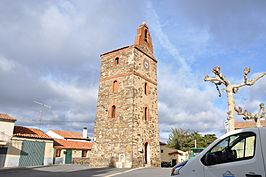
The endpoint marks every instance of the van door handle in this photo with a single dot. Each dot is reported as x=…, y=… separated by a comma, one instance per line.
x=253, y=175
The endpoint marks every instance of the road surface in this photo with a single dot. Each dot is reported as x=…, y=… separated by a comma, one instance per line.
x=83, y=171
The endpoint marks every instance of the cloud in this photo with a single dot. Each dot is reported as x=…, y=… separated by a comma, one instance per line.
x=72, y=91
x=184, y=101
x=230, y=23
x=49, y=51
x=163, y=38
x=187, y=106
x=6, y=65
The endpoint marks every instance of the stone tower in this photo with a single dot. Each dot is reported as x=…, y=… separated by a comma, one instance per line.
x=126, y=128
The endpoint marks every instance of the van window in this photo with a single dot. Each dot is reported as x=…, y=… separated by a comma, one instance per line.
x=233, y=148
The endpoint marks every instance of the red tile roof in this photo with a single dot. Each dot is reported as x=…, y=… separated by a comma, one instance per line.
x=248, y=124
x=69, y=134
x=30, y=133
x=6, y=117
x=162, y=143
x=68, y=144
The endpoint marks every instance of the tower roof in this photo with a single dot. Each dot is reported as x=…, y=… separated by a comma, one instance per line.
x=143, y=42
x=143, y=37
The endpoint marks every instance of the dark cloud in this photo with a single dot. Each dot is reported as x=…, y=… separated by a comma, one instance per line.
x=204, y=34
x=49, y=51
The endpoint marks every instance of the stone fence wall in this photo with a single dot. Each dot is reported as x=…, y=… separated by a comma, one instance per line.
x=81, y=161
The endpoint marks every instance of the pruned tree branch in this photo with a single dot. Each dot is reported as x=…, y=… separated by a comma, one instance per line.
x=246, y=81
x=262, y=111
x=219, y=79
x=218, y=89
x=217, y=72
x=246, y=72
x=252, y=81
x=246, y=115
x=215, y=80
x=256, y=117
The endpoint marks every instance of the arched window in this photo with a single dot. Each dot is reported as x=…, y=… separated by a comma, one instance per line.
x=115, y=86
x=146, y=88
x=113, y=109
x=146, y=113
x=116, y=60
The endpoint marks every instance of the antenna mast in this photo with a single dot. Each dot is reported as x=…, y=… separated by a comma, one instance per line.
x=43, y=106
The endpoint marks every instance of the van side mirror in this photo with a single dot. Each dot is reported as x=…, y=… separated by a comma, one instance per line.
x=209, y=159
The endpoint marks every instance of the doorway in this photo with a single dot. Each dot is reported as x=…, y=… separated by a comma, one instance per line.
x=147, y=157
x=32, y=153
x=68, y=156
x=173, y=162
x=3, y=152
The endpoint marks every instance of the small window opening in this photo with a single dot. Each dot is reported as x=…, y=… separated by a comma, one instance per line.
x=145, y=35
x=115, y=86
x=145, y=88
x=113, y=111
x=84, y=153
x=146, y=114
x=116, y=60
x=58, y=153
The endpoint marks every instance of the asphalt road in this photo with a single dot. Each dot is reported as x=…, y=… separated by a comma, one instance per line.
x=83, y=171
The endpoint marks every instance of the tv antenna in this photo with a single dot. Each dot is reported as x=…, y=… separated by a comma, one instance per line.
x=43, y=106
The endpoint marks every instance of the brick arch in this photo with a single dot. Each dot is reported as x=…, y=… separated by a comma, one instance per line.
x=113, y=111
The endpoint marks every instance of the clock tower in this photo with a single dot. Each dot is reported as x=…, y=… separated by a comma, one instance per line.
x=126, y=131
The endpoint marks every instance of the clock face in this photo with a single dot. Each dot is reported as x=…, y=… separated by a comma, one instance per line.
x=146, y=64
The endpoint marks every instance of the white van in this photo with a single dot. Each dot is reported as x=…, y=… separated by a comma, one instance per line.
x=240, y=153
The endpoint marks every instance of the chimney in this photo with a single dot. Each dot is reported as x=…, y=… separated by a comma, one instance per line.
x=85, y=132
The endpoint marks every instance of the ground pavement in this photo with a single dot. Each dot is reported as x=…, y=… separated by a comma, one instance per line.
x=83, y=171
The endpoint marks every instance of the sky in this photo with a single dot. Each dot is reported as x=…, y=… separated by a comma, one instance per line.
x=50, y=54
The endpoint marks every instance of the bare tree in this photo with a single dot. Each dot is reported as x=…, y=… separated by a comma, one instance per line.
x=256, y=117
x=219, y=79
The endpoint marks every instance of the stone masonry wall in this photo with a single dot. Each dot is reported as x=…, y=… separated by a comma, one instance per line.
x=114, y=135
x=146, y=131
x=119, y=141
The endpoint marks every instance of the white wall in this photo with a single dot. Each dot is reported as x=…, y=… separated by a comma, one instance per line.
x=49, y=153
x=54, y=135
x=14, y=150
x=13, y=154
x=6, y=130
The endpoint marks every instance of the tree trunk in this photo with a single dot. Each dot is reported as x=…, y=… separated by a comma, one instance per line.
x=231, y=108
